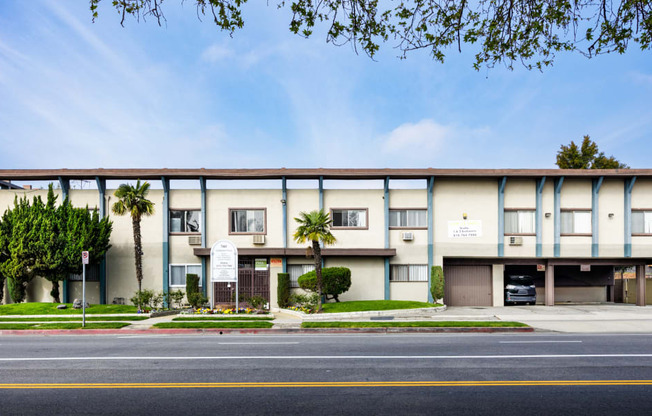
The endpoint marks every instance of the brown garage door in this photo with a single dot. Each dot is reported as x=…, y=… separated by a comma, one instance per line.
x=467, y=286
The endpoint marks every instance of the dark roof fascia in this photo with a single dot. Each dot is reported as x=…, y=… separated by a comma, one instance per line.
x=326, y=252
x=9, y=185
x=298, y=173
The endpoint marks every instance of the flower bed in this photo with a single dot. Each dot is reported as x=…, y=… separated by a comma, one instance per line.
x=226, y=311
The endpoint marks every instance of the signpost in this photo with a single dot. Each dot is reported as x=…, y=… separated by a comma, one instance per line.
x=84, y=263
x=224, y=266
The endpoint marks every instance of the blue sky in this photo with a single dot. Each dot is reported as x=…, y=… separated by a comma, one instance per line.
x=77, y=94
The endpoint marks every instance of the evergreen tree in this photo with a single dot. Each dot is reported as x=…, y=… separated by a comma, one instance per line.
x=586, y=157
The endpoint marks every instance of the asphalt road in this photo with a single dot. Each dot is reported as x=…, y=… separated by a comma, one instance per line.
x=535, y=374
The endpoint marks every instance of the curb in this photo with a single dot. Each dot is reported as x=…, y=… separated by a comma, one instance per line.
x=403, y=313
x=254, y=331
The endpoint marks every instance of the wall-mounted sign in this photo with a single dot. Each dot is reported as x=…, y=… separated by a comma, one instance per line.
x=541, y=267
x=224, y=262
x=464, y=228
x=585, y=267
x=260, y=264
x=276, y=262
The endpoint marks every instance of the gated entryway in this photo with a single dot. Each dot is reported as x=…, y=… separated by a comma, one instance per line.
x=467, y=286
x=251, y=283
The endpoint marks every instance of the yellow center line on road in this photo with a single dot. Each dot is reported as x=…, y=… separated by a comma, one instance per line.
x=313, y=384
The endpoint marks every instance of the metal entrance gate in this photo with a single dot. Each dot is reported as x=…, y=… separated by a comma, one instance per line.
x=251, y=283
x=467, y=286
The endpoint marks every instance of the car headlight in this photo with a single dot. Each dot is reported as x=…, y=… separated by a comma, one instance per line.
x=532, y=286
x=510, y=287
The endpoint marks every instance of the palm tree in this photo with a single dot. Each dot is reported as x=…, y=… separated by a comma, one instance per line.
x=314, y=226
x=133, y=200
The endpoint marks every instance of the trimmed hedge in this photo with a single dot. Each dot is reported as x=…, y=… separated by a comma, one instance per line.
x=437, y=283
x=335, y=281
x=283, y=290
x=195, y=297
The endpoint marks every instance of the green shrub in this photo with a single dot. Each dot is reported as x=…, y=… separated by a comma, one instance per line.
x=175, y=297
x=16, y=290
x=335, y=281
x=257, y=302
x=143, y=298
x=283, y=290
x=195, y=297
x=437, y=283
x=304, y=301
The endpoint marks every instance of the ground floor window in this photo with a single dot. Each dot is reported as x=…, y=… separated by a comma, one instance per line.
x=642, y=222
x=409, y=273
x=178, y=274
x=296, y=270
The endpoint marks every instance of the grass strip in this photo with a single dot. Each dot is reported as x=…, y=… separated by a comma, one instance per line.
x=224, y=318
x=213, y=325
x=65, y=325
x=374, y=305
x=416, y=324
x=75, y=319
x=47, y=308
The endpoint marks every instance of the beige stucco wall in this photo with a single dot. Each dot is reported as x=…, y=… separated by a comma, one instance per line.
x=642, y=199
x=498, y=284
x=478, y=198
x=576, y=193
x=574, y=294
x=367, y=277
x=299, y=200
x=370, y=199
x=520, y=193
x=611, y=229
x=417, y=291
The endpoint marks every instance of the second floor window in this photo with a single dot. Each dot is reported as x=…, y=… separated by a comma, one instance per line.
x=349, y=218
x=185, y=221
x=247, y=221
x=408, y=218
x=642, y=222
x=576, y=222
x=519, y=222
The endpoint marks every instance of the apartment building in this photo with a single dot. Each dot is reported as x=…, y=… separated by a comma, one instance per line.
x=568, y=229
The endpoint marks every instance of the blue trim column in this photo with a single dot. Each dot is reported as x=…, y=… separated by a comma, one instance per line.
x=321, y=192
x=539, y=216
x=501, y=216
x=284, y=201
x=204, y=280
x=386, y=200
x=595, y=218
x=166, y=234
x=431, y=184
x=101, y=189
x=558, y=184
x=65, y=193
x=629, y=185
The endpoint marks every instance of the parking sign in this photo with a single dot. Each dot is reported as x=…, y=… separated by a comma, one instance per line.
x=84, y=257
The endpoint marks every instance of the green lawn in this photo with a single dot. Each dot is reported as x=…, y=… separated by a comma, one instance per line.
x=205, y=324
x=374, y=305
x=65, y=325
x=416, y=324
x=75, y=319
x=223, y=318
x=46, y=308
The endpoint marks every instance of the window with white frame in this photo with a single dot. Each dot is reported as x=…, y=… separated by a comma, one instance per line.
x=576, y=222
x=297, y=270
x=519, y=221
x=349, y=218
x=247, y=221
x=409, y=273
x=185, y=221
x=642, y=222
x=408, y=218
x=178, y=273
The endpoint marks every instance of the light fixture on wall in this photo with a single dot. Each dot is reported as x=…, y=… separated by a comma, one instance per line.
x=548, y=214
x=464, y=215
x=611, y=215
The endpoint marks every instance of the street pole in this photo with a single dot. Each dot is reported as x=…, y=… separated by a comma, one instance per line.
x=84, y=295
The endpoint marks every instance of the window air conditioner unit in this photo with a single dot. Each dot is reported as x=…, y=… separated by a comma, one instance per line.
x=259, y=239
x=515, y=241
x=407, y=236
x=194, y=240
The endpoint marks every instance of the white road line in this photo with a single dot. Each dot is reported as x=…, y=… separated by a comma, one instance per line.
x=538, y=342
x=329, y=357
x=256, y=343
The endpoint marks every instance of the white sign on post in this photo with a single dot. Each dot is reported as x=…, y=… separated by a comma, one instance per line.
x=85, y=259
x=224, y=265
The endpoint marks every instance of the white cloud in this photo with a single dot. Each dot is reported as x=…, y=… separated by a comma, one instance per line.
x=216, y=53
x=423, y=136
x=640, y=78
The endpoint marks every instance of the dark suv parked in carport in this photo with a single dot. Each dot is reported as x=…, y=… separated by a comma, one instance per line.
x=520, y=289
